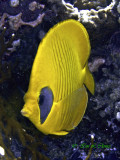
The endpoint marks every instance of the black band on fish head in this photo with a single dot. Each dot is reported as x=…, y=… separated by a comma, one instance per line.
x=45, y=103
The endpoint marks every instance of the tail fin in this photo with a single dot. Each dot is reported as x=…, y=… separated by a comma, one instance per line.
x=89, y=80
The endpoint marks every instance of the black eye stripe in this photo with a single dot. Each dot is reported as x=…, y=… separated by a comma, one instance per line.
x=45, y=102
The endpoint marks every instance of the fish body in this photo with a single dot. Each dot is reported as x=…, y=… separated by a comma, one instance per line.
x=56, y=99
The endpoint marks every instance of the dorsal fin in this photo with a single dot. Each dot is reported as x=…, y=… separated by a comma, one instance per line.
x=77, y=36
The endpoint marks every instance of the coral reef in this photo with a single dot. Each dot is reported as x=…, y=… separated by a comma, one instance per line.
x=14, y=3
x=15, y=21
x=30, y=21
x=98, y=17
x=85, y=4
x=99, y=20
x=34, y=5
x=15, y=18
x=94, y=66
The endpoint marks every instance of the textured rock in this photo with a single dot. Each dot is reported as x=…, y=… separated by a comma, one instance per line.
x=100, y=17
x=91, y=4
x=97, y=16
x=118, y=116
x=99, y=20
x=14, y=3
x=16, y=21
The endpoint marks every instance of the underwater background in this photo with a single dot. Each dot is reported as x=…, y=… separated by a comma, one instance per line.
x=23, y=24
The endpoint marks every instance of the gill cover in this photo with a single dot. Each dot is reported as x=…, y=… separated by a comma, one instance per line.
x=56, y=99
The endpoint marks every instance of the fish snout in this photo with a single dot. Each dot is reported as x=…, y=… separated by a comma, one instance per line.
x=25, y=112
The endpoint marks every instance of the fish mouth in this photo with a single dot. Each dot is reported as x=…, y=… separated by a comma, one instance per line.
x=24, y=113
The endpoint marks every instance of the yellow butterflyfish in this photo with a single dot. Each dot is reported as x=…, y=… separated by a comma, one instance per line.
x=56, y=99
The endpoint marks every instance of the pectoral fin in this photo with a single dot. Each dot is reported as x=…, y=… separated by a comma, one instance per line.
x=71, y=110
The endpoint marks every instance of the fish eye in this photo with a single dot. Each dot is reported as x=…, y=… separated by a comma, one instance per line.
x=45, y=102
x=42, y=98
